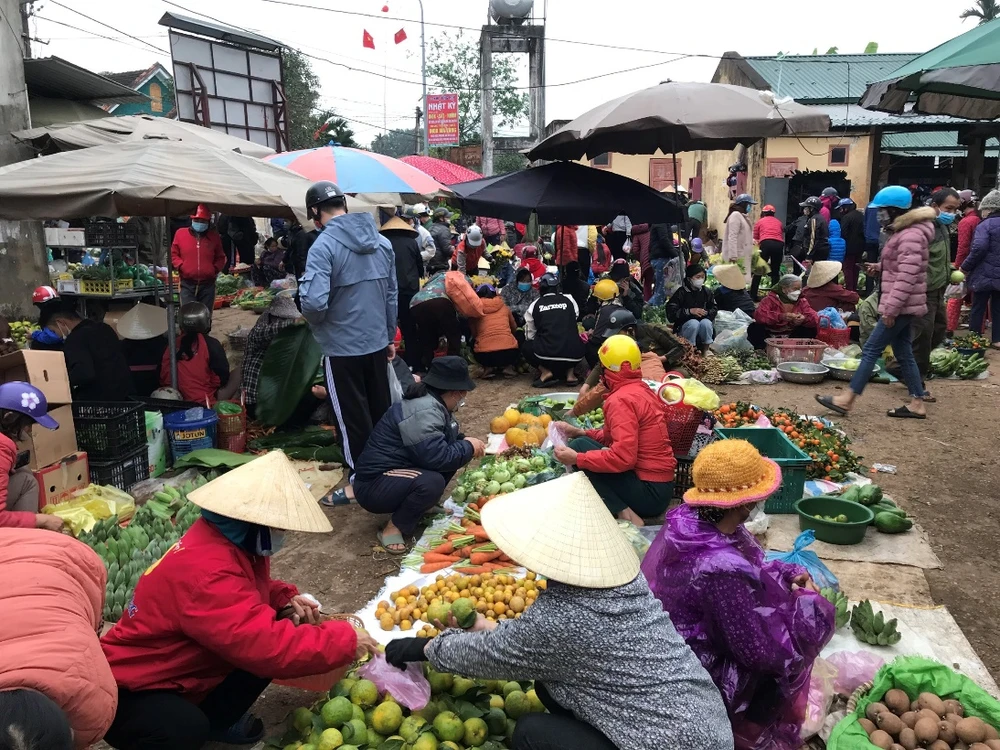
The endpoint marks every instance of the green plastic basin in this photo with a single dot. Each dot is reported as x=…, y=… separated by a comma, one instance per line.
x=852, y=532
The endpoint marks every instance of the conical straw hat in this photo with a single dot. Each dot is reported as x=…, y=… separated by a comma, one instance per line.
x=143, y=322
x=268, y=491
x=822, y=272
x=563, y=531
x=730, y=276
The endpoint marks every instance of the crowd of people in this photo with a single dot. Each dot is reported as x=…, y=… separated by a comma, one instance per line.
x=719, y=643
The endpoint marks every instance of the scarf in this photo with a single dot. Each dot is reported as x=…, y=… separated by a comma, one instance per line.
x=249, y=537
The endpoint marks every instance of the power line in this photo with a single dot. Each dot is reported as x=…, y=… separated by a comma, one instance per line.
x=17, y=37
x=118, y=40
x=109, y=26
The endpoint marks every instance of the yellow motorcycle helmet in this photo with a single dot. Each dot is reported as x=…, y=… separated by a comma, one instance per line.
x=605, y=290
x=617, y=350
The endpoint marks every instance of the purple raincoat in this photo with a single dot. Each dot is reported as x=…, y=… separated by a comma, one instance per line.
x=756, y=637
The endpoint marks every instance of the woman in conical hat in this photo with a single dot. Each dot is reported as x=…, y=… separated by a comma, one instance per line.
x=607, y=663
x=208, y=628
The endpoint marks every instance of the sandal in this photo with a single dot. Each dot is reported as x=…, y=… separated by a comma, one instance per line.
x=335, y=498
x=546, y=383
x=827, y=402
x=384, y=540
x=903, y=412
x=246, y=730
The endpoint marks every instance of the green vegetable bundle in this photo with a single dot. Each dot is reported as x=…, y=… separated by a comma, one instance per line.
x=872, y=628
x=944, y=362
x=972, y=367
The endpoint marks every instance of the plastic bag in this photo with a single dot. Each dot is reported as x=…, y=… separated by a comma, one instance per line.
x=915, y=675
x=627, y=247
x=696, y=393
x=409, y=687
x=955, y=291
x=854, y=668
x=807, y=559
x=821, y=692
x=731, y=321
x=395, y=389
x=830, y=317
x=729, y=342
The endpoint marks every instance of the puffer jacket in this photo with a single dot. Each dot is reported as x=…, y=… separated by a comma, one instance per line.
x=8, y=460
x=443, y=250
x=635, y=431
x=566, y=250
x=641, y=242
x=983, y=263
x=53, y=596
x=494, y=331
x=838, y=245
x=904, y=264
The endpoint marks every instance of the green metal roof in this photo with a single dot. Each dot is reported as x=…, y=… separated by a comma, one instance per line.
x=826, y=79
x=930, y=143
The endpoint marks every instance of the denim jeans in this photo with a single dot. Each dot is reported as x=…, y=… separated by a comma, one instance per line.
x=981, y=301
x=659, y=283
x=698, y=331
x=899, y=337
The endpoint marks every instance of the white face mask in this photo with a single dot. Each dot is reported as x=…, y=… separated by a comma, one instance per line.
x=697, y=283
x=794, y=295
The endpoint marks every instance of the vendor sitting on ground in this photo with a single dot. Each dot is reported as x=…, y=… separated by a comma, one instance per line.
x=202, y=366
x=823, y=290
x=280, y=314
x=629, y=461
x=732, y=294
x=629, y=290
x=552, y=343
x=623, y=322
x=414, y=451
x=208, y=628
x=95, y=360
x=783, y=313
x=756, y=626
x=519, y=294
x=529, y=260
x=692, y=309
x=597, y=311
x=143, y=331
x=270, y=265
x=494, y=344
x=609, y=667
x=21, y=406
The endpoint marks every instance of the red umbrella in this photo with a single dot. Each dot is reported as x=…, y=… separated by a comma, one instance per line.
x=443, y=171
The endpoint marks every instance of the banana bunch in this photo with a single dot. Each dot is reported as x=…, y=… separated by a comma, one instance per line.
x=20, y=331
x=839, y=601
x=872, y=628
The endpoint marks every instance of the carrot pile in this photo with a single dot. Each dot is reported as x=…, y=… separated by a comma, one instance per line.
x=467, y=548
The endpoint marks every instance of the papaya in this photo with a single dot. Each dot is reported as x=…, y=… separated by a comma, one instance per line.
x=852, y=494
x=870, y=494
x=890, y=523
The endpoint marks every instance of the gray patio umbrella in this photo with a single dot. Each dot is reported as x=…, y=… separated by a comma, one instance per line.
x=960, y=78
x=676, y=117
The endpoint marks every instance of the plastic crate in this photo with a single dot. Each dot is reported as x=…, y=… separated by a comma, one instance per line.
x=109, y=430
x=795, y=350
x=683, y=478
x=104, y=288
x=772, y=443
x=125, y=472
x=835, y=338
x=191, y=430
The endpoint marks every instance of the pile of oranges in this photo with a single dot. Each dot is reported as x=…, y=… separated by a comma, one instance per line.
x=521, y=429
x=496, y=597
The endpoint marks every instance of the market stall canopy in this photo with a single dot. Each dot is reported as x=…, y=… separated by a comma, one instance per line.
x=960, y=78
x=445, y=172
x=149, y=178
x=674, y=117
x=357, y=171
x=566, y=193
x=67, y=136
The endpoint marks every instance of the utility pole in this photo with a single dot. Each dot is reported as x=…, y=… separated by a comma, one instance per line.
x=25, y=30
x=23, y=264
x=416, y=132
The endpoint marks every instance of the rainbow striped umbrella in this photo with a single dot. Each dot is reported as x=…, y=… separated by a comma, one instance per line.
x=357, y=171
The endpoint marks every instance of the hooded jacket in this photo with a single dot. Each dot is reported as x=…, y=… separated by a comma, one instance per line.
x=966, y=233
x=494, y=331
x=566, y=250
x=852, y=229
x=443, y=250
x=406, y=258
x=197, y=257
x=208, y=608
x=349, y=291
x=635, y=431
x=816, y=238
x=53, y=596
x=838, y=245
x=687, y=298
x=904, y=264
x=983, y=263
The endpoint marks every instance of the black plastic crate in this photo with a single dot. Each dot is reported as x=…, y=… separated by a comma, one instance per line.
x=108, y=430
x=683, y=478
x=123, y=473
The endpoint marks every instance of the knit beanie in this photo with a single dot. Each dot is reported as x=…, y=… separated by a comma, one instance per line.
x=991, y=202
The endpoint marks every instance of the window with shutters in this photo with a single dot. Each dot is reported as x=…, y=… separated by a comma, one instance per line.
x=155, y=97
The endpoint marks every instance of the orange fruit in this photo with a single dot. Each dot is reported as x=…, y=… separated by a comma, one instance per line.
x=516, y=437
x=538, y=432
x=513, y=416
x=499, y=425
x=545, y=420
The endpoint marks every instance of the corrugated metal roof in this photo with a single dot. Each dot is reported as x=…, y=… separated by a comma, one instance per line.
x=218, y=31
x=930, y=143
x=853, y=116
x=56, y=78
x=826, y=78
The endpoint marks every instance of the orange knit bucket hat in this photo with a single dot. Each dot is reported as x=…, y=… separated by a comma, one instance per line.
x=730, y=473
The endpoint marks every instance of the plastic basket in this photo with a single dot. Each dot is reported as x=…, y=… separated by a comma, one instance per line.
x=835, y=337
x=238, y=339
x=122, y=473
x=109, y=430
x=191, y=430
x=795, y=350
x=772, y=443
x=104, y=288
x=232, y=430
x=683, y=478
x=682, y=420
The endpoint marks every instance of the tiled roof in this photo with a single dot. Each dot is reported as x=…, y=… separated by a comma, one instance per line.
x=825, y=78
x=127, y=78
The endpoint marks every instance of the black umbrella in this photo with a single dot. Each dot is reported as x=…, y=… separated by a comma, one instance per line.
x=566, y=193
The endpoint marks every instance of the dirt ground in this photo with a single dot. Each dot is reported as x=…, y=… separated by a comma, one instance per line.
x=944, y=479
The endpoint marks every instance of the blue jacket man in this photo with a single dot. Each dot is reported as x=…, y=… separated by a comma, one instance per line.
x=348, y=295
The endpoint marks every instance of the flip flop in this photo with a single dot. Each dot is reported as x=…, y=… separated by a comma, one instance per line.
x=927, y=398
x=902, y=412
x=827, y=402
x=246, y=730
x=492, y=376
x=335, y=498
x=384, y=540
x=546, y=383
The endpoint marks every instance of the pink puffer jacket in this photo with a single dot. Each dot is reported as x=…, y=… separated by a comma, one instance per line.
x=904, y=264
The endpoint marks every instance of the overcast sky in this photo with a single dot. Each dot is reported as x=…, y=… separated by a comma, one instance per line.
x=680, y=41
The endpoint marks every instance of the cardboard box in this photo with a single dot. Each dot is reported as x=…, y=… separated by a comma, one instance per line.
x=58, y=482
x=48, y=447
x=44, y=370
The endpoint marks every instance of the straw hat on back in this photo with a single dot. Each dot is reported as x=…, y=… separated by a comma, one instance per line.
x=143, y=322
x=268, y=491
x=563, y=531
x=823, y=272
x=730, y=276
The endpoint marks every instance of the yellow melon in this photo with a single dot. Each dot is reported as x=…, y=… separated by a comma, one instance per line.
x=517, y=437
x=531, y=438
x=538, y=432
x=512, y=416
x=499, y=425
x=545, y=420
x=529, y=419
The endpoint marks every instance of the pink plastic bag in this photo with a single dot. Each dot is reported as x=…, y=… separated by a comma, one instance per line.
x=409, y=687
x=821, y=692
x=853, y=669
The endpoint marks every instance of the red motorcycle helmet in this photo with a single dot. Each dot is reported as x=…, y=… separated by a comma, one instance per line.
x=44, y=294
